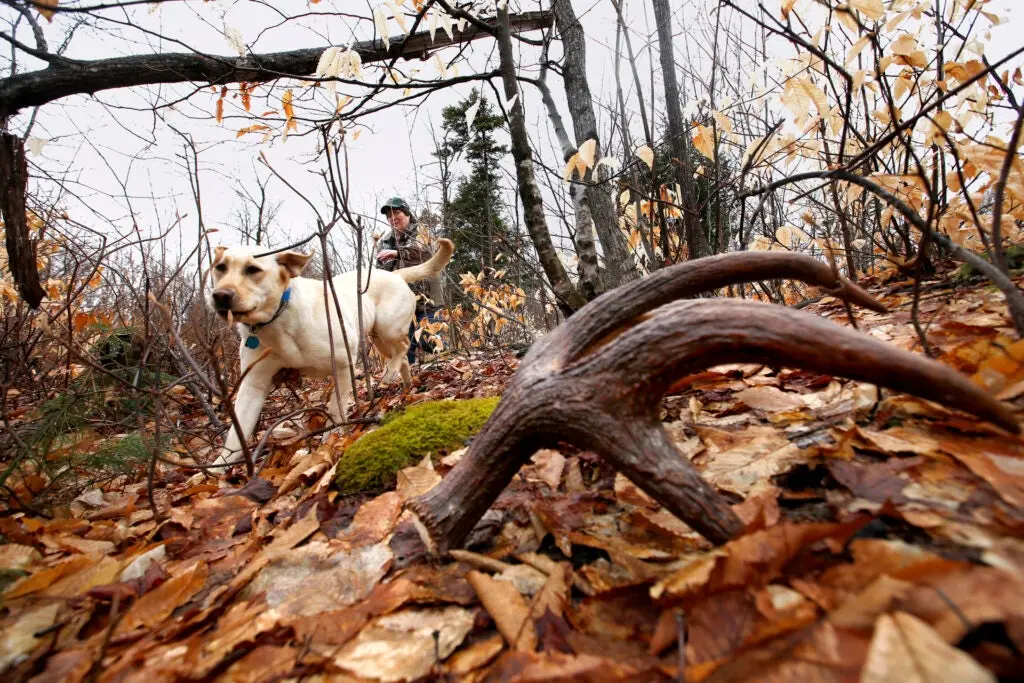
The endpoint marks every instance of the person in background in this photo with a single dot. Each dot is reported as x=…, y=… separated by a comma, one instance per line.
x=403, y=248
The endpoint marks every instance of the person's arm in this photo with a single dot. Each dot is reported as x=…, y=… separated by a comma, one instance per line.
x=414, y=252
x=387, y=254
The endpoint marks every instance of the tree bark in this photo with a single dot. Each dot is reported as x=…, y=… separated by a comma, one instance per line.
x=586, y=247
x=677, y=134
x=619, y=267
x=569, y=299
x=21, y=252
x=64, y=77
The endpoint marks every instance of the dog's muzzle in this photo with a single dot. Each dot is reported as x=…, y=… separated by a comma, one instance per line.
x=222, y=300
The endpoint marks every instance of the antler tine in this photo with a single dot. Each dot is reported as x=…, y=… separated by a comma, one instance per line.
x=623, y=304
x=687, y=336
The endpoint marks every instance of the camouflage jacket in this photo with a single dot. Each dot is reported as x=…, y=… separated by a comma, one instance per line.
x=412, y=251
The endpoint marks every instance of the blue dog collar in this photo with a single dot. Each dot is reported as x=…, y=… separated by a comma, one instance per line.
x=252, y=341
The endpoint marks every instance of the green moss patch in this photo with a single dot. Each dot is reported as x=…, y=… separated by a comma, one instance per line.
x=372, y=463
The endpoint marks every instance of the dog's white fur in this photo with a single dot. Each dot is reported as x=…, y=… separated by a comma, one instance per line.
x=298, y=337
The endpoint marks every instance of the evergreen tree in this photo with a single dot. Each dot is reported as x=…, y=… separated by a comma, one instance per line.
x=474, y=217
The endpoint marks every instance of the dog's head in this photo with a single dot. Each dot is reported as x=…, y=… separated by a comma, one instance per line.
x=249, y=287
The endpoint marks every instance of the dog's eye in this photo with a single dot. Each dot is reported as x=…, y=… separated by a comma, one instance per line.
x=253, y=270
x=221, y=267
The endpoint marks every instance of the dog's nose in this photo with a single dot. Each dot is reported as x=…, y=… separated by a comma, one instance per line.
x=222, y=299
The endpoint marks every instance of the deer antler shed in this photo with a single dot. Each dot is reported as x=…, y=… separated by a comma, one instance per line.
x=597, y=382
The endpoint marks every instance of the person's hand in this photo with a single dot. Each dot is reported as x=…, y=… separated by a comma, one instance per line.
x=387, y=255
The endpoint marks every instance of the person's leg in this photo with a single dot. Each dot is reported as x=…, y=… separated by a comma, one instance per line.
x=426, y=343
x=411, y=353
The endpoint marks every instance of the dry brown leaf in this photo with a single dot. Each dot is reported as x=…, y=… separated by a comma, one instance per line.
x=402, y=646
x=321, y=577
x=44, y=578
x=508, y=609
x=15, y=556
x=19, y=639
x=556, y=666
x=998, y=461
x=477, y=655
x=547, y=468
x=771, y=399
x=373, y=521
x=415, y=481
x=738, y=461
x=527, y=580
x=554, y=595
x=265, y=663
x=905, y=649
x=628, y=492
x=103, y=570
x=157, y=605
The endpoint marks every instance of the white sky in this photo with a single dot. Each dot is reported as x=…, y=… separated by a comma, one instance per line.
x=98, y=148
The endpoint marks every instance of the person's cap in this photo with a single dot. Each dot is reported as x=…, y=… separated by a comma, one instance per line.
x=395, y=203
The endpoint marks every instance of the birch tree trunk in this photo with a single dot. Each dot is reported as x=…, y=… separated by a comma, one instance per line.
x=586, y=248
x=619, y=267
x=677, y=133
x=569, y=299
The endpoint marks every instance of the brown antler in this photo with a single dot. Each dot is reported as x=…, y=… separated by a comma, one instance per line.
x=598, y=379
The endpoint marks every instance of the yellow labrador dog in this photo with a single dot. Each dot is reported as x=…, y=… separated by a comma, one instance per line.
x=274, y=309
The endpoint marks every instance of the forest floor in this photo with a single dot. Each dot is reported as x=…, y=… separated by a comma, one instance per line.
x=883, y=542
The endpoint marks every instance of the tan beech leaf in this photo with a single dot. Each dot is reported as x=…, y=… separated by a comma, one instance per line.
x=46, y=577
x=19, y=639
x=570, y=167
x=872, y=9
x=905, y=45
x=374, y=520
x=905, y=649
x=587, y=152
x=646, y=154
x=44, y=7
x=471, y=114
x=264, y=663
x=787, y=7
x=14, y=556
x=157, y=605
x=475, y=656
x=690, y=578
x=406, y=645
x=738, y=461
x=320, y=577
x=771, y=399
x=547, y=467
x=415, y=481
x=102, y=570
x=554, y=595
x=704, y=141
x=508, y=609
x=380, y=21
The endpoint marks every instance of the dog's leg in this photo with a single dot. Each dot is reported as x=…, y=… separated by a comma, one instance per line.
x=338, y=409
x=252, y=393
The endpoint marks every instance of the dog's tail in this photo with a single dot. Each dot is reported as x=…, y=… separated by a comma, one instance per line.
x=432, y=267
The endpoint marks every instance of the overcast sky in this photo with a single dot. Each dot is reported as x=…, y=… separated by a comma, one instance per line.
x=100, y=143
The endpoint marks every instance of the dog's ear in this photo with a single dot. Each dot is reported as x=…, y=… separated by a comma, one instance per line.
x=293, y=262
x=218, y=253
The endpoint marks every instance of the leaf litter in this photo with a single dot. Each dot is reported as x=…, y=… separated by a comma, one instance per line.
x=882, y=542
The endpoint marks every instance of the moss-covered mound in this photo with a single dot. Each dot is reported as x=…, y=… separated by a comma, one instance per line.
x=372, y=462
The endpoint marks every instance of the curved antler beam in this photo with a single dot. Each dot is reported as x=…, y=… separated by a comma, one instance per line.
x=616, y=308
x=597, y=381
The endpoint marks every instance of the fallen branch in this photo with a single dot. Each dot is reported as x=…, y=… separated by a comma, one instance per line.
x=597, y=382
